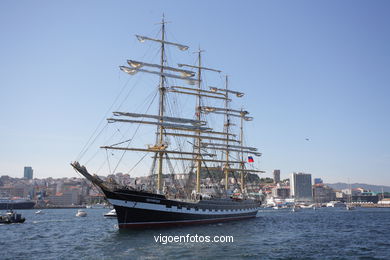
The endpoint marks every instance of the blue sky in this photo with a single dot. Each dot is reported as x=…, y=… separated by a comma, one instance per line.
x=311, y=69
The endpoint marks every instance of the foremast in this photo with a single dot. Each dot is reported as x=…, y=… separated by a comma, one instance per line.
x=161, y=110
x=160, y=147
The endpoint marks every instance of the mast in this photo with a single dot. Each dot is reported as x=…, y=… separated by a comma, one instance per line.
x=199, y=92
x=161, y=109
x=350, y=192
x=198, y=111
x=227, y=124
x=383, y=194
x=242, y=153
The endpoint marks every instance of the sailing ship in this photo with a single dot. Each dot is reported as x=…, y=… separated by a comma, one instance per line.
x=163, y=205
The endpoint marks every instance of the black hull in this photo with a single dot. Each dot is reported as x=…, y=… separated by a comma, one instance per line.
x=18, y=205
x=12, y=221
x=147, y=210
x=134, y=219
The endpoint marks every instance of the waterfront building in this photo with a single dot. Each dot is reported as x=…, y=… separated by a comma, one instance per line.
x=323, y=193
x=281, y=192
x=340, y=196
x=16, y=190
x=28, y=173
x=365, y=197
x=384, y=201
x=276, y=176
x=301, y=188
x=353, y=192
x=59, y=187
x=66, y=198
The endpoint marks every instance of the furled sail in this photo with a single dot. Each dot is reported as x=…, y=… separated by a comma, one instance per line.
x=144, y=38
x=166, y=125
x=234, y=150
x=231, y=146
x=132, y=71
x=154, y=150
x=138, y=64
x=197, y=94
x=164, y=118
x=203, y=137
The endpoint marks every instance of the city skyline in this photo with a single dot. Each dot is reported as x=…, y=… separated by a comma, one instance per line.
x=315, y=74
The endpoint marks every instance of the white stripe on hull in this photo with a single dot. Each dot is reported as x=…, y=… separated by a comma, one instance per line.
x=161, y=207
x=186, y=221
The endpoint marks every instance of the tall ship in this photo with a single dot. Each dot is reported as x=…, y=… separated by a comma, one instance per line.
x=9, y=203
x=200, y=139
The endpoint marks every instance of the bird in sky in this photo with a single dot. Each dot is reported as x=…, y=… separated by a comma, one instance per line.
x=307, y=139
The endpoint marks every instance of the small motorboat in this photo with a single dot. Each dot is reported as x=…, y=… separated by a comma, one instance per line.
x=111, y=214
x=81, y=213
x=11, y=217
x=295, y=208
x=38, y=212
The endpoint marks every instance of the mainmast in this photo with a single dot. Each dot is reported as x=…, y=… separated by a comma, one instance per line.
x=199, y=93
x=161, y=109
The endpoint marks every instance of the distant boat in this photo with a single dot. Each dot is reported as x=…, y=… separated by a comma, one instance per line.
x=39, y=212
x=306, y=206
x=81, y=213
x=11, y=217
x=280, y=207
x=295, y=208
x=96, y=206
x=335, y=204
x=7, y=203
x=111, y=214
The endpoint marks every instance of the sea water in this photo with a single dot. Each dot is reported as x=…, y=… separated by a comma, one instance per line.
x=326, y=233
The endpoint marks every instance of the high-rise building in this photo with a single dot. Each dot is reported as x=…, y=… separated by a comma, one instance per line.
x=318, y=181
x=28, y=172
x=276, y=176
x=301, y=188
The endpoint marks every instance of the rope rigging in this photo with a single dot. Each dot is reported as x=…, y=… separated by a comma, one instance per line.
x=173, y=108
